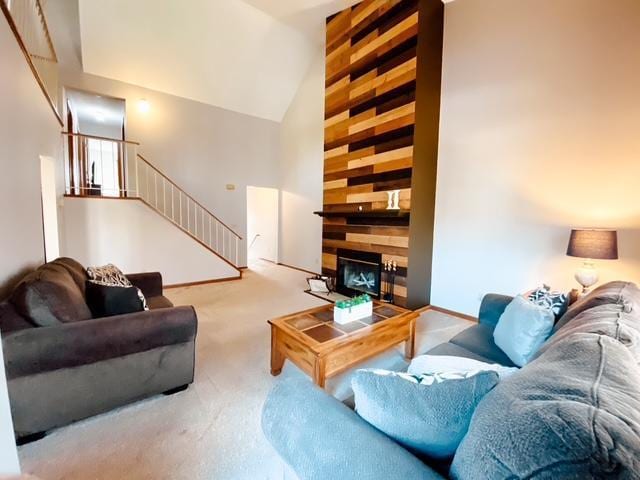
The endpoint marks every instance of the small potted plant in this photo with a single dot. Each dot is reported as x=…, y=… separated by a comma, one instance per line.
x=346, y=311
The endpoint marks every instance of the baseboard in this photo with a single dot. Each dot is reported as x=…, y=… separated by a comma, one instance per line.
x=205, y=282
x=446, y=311
x=297, y=268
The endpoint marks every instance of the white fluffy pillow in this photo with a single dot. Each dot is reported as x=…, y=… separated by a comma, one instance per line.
x=432, y=364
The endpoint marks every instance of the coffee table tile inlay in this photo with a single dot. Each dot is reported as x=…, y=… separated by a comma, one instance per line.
x=323, y=348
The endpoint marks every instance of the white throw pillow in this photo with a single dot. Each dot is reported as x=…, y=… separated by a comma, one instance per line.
x=445, y=364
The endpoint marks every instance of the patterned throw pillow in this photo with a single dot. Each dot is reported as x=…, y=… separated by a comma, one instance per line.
x=111, y=276
x=557, y=302
x=426, y=378
x=108, y=275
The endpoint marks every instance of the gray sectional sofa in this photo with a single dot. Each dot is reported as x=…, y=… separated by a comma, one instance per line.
x=571, y=413
x=63, y=366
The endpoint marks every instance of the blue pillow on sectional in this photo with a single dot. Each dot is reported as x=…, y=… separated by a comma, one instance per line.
x=522, y=329
x=427, y=414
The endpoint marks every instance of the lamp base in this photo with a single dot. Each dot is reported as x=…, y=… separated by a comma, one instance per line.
x=587, y=276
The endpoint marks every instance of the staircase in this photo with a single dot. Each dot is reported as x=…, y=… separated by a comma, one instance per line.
x=125, y=174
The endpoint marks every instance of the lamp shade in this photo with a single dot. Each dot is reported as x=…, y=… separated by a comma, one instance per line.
x=593, y=243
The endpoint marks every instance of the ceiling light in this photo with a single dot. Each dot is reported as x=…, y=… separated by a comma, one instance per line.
x=143, y=106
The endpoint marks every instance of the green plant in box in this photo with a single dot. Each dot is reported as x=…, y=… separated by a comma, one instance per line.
x=359, y=300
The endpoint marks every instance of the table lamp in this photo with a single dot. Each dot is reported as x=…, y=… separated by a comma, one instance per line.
x=592, y=244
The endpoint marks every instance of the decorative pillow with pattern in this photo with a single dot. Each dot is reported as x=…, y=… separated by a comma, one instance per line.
x=111, y=276
x=557, y=302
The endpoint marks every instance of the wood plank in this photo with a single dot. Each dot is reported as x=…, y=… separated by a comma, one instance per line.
x=359, y=88
x=381, y=158
x=329, y=260
x=382, y=197
x=395, y=114
x=335, y=184
x=336, y=151
x=388, y=240
x=393, y=165
x=366, y=247
x=407, y=25
x=340, y=117
x=365, y=10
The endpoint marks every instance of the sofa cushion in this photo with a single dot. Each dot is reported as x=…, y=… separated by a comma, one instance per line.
x=613, y=320
x=479, y=340
x=453, y=350
x=574, y=412
x=428, y=414
x=50, y=296
x=619, y=293
x=159, y=302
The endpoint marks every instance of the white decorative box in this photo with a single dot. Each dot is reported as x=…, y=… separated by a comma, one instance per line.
x=350, y=314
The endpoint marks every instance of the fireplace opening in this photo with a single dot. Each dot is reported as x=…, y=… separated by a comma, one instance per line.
x=358, y=273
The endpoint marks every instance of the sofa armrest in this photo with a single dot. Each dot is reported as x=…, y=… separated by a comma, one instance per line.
x=38, y=350
x=149, y=283
x=321, y=438
x=492, y=307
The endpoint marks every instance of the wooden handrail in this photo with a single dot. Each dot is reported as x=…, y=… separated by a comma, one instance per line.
x=159, y=172
x=27, y=55
x=95, y=137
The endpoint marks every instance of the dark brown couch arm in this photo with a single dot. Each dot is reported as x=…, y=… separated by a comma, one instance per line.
x=38, y=350
x=149, y=283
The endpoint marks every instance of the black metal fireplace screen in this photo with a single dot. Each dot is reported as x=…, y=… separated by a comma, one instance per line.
x=358, y=272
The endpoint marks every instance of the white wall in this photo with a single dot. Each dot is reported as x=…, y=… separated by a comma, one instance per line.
x=302, y=164
x=262, y=223
x=540, y=131
x=49, y=208
x=9, y=464
x=28, y=129
x=132, y=236
x=201, y=147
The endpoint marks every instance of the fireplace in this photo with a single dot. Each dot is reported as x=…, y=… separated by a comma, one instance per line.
x=358, y=273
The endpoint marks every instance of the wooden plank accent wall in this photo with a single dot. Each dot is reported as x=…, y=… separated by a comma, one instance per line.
x=372, y=70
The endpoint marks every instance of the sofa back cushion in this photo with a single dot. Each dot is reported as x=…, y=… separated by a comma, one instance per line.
x=50, y=296
x=574, y=412
x=619, y=321
x=75, y=269
x=625, y=294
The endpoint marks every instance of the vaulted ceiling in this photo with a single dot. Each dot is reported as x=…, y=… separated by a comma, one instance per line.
x=248, y=56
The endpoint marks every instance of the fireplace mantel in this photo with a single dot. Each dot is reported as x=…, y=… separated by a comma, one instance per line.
x=365, y=213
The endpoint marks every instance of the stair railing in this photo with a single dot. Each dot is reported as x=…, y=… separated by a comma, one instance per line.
x=27, y=20
x=98, y=166
x=163, y=195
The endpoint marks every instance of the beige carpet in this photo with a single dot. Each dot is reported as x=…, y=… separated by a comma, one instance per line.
x=212, y=430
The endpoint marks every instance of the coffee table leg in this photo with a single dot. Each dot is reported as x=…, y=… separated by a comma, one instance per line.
x=410, y=344
x=277, y=359
x=318, y=372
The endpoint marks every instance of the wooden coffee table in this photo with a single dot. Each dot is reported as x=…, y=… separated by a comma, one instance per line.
x=323, y=348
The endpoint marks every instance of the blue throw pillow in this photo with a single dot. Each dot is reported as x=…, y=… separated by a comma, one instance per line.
x=427, y=414
x=522, y=329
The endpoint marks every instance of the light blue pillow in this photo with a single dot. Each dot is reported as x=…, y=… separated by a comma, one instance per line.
x=522, y=329
x=427, y=414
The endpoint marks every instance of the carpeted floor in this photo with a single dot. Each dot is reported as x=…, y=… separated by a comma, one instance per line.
x=212, y=430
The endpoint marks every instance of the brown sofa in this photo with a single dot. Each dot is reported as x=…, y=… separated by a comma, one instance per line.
x=63, y=366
